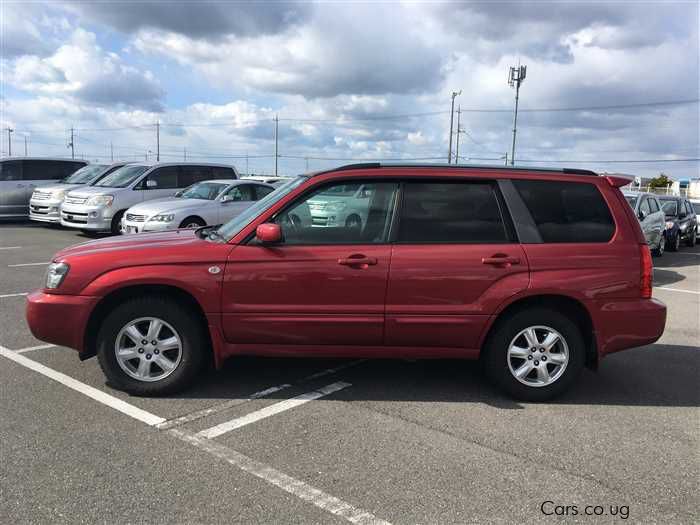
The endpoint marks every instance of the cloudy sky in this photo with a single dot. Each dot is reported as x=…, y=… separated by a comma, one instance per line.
x=353, y=80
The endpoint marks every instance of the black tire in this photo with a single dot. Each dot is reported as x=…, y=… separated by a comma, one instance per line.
x=675, y=243
x=192, y=222
x=353, y=221
x=495, y=353
x=182, y=319
x=116, y=226
x=692, y=238
x=661, y=248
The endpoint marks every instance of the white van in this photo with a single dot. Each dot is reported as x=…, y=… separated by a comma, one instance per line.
x=100, y=206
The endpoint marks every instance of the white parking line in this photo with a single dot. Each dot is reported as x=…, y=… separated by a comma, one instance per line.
x=32, y=348
x=28, y=264
x=281, y=480
x=24, y=294
x=10, y=247
x=87, y=390
x=271, y=410
x=676, y=290
x=193, y=416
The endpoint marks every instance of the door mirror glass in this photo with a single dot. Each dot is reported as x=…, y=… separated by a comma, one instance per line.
x=179, y=193
x=227, y=198
x=269, y=233
x=151, y=184
x=641, y=215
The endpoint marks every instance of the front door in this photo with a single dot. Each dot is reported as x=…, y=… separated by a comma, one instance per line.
x=323, y=285
x=454, y=261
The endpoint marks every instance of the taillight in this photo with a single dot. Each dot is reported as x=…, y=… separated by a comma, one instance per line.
x=647, y=274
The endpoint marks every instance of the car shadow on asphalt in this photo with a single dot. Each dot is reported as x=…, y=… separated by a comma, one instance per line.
x=663, y=277
x=655, y=375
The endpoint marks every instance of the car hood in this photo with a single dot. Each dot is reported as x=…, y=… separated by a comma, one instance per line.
x=89, y=191
x=168, y=205
x=57, y=187
x=181, y=249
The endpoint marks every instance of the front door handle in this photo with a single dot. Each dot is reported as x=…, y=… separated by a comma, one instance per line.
x=501, y=260
x=358, y=261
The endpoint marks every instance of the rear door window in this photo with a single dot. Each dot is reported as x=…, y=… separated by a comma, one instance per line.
x=462, y=212
x=654, y=205
x=567, y=212
x=192, y=174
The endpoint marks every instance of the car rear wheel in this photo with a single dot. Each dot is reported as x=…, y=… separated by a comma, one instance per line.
x=150, y=346
x=534, y=354
x=192, y=222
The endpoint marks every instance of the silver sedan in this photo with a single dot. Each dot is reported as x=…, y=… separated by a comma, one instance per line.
x=202, y=204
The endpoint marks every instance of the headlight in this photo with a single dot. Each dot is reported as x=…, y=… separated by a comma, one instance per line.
x=669, y=225
x=162, y=218
x=100, y=200
x=335, y=206
x=59, y=194
x=55, y=274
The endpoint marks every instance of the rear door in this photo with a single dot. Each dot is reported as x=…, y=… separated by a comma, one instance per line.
x=646, y=220
x=13, y=198
x=454, y=260
x=657, y=220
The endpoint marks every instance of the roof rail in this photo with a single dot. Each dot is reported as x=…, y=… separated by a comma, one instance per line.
x=375, y=165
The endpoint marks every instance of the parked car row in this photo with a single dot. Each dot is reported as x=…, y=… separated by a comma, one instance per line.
x=666, y=220
x=126, y=197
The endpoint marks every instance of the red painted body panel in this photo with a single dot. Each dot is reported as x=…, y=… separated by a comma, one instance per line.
x=417, y=301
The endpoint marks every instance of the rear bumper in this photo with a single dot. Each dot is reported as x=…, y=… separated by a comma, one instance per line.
x=59, y=319
x=628, y=324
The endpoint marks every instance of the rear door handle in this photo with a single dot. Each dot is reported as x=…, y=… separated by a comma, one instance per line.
x=359, y=261
x=498, y=260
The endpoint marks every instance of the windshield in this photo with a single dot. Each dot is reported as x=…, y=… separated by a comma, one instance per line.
x=84, y=174
x=122, y=177
x=204, y=190
x=669, y=207
x=235, y=225
x=631, y=200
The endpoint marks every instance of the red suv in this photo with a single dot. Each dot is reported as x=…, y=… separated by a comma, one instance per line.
x=535, y=272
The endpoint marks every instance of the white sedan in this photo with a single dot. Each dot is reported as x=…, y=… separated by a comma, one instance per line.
x=202, y=204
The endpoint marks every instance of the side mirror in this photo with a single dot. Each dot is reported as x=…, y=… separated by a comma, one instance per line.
x=178, y=193
x=151, y=184
x=641, y=215
x=269, y=233
x=227, y=198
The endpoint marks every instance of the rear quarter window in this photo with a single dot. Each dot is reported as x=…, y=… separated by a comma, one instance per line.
x=567, y=212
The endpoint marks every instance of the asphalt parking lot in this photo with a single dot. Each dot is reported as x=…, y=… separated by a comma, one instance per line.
x=323, y=441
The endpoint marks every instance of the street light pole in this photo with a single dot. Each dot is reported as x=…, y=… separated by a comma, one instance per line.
x=452, y=118
x=515, y=78
x=9, y=141
x=277, y=123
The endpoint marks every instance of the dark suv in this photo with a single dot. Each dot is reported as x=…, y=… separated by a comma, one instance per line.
x=535, y=272
x=681, y=221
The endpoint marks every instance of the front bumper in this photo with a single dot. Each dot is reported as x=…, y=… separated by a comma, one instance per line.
x=628, y=324
x=45, y=210
x=59, y=319
x=95, y=218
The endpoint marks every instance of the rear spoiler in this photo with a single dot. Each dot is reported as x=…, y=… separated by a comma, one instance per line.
x=618, y=182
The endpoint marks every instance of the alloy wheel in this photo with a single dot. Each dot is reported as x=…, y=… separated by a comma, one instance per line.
x=148, y=349
x=537, y=356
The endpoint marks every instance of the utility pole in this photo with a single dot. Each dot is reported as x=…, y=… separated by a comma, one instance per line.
x=184, y=153
x=71, y=145
x=452, y=118
x=515, y=78
x=158, y=141
x=506, y=158
x=459, y=130
x=9, y=141
x=277, y=122
x=25, y=145
x=307, y=164
x=111, y=151
x=246, y=164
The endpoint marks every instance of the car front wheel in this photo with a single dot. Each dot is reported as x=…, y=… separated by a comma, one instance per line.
x=659, y=251
x=534, y=354
x=150, y=346
x=692, y=238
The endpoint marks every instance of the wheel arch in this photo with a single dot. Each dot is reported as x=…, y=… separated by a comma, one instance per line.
x=118, y=296
x=570, y=306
